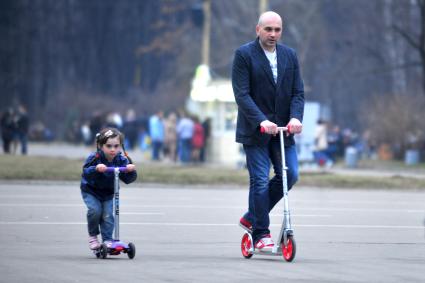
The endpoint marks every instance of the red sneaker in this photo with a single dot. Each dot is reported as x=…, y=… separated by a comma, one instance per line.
x=245, y=224
x=265, y=243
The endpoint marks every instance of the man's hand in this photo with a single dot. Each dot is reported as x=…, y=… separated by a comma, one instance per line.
x=269, y=127
x=294, y=126
x=101, y=168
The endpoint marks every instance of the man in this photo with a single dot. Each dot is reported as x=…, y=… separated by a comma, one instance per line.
x=185, y=128
x=157, y=133
x=269, y=92
x=22, y=127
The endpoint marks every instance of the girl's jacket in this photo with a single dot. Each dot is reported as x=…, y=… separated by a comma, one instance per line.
x=101, y=185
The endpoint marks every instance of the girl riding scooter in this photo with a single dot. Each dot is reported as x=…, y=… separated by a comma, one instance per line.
x=97, y=185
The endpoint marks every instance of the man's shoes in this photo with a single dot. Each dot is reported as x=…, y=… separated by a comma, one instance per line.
x=265, y=244
x=245, y=224
x=93, y=243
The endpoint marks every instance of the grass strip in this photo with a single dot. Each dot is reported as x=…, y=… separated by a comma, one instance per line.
x=62, y=169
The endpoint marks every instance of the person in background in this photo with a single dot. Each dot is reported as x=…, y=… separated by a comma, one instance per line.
x=321, y=144
x=96, y=123
x=157, y=134
x=170, y=142
x=8, y=129
x=22, y=127
x=207, y=133
x=334, y=143
x=198, y=139
x=114, y=120
x=184, y=130
x=130, y=129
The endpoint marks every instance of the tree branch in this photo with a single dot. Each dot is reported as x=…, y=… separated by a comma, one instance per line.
x=421, y=4
x=389, y=68
x=410, y=39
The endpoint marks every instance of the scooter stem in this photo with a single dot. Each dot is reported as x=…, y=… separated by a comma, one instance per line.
x=284, y=182
x=286, y=225
x=116, y=204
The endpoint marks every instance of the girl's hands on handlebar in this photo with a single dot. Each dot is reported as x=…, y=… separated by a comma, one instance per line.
x=101, y=168
x=131, y=167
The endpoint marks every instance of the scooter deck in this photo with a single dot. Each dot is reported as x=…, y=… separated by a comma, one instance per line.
x=278, y=252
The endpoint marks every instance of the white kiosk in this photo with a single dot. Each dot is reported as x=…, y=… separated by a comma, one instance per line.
x=214, y=99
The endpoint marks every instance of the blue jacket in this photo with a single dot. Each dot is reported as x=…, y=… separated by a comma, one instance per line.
x=259, y=98
x=156, y=128
x=101, y=185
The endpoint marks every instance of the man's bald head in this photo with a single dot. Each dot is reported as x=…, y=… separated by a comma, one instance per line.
x=269, y=16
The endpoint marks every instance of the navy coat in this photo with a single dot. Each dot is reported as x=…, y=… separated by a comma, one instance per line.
x=259, y=98
x=101, y=185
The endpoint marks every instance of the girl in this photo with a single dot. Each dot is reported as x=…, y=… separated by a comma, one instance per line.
x=97, y=185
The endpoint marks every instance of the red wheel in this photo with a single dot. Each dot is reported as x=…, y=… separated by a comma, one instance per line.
x=246, y=245
x=288, y=250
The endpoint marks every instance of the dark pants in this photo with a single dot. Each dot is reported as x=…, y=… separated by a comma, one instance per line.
x=6, y=143
x=265, y=193
x=22, y=137
x=156, y=149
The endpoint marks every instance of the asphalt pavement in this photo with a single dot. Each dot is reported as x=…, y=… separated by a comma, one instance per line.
x=190, y=234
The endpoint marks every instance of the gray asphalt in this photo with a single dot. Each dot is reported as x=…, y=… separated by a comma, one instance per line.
x=189, y=234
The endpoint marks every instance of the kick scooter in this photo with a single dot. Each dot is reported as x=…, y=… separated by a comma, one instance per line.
x=115, y=247
x=285, y=244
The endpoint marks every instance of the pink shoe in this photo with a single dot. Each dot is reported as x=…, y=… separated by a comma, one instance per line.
x=265, y=243
x=245, y=224
x=93, y=243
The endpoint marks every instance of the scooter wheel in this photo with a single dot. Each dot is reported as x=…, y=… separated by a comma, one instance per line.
x=131, y=252
x=246, y=245
x=103, y=251
x=289, y=249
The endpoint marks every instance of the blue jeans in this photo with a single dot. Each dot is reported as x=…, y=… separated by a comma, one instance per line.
x=185, y=150
x=99, y=214
x=156, y=149
x=22, y=137
x=265, y=193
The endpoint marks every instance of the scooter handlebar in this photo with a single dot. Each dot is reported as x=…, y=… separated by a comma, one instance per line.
x=112, y=169
x=284, y=129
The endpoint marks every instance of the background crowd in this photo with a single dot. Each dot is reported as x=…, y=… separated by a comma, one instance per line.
x=14, y=129
x=331, y=143
x=174, y=136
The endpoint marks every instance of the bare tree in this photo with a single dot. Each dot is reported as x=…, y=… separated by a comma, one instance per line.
x=144, y=53
x=416, y=40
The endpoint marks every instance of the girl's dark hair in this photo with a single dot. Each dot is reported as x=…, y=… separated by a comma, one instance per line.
x=103, y=136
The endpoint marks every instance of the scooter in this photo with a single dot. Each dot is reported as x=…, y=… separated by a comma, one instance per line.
x=115, y=247
x=285, y=243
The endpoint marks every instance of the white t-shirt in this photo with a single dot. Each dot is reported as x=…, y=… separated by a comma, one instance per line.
x=272, y=56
